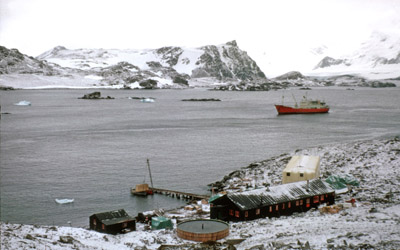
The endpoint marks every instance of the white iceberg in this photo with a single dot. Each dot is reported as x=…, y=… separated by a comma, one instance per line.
x=23, y=103
x=147, y=100
x=64, y=201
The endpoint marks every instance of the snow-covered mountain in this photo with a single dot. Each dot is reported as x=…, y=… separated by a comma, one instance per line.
x=171, y=65
x=166, y=67
x=224, y=67
x=377, y=57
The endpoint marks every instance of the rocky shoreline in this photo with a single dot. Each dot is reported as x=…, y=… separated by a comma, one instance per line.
x=296, y=79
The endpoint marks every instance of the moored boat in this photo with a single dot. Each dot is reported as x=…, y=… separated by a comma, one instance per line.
x=306, y=106
x=144, y=189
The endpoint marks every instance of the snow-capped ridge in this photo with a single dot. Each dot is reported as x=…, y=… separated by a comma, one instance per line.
x=225, y=62
x=378, y=55
x=51, y=52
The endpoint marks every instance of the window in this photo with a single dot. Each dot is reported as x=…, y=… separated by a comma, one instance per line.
x=297, y=203
x=125, y=225
x=237, y=214
x=257, y=211
x=289, y=204
x=270, y=209
x=94, y=222
x=301, y=174
x=283, y=205
x=287, y=174
x=103, y=226
x=246, y=214
x=301, y=202
x=308, y=202
x=316, y=199
x=277, y=207
x=322, y=197
x=231, y=212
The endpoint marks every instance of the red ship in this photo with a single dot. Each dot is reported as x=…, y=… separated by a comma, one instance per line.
x=306, y=107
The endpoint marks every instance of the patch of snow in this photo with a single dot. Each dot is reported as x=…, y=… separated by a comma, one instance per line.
x=187, y=60
x=94, y=77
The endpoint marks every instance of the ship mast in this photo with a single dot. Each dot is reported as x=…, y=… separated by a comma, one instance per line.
x=148, y=166
x=294, y=100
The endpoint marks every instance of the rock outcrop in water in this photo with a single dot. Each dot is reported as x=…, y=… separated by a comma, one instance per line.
x=95, y=96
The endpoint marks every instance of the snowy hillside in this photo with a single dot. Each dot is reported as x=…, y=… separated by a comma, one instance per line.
x=377, y=58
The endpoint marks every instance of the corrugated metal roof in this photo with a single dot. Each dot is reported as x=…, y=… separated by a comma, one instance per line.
x=278, y=194
x=302, y=164
x=114, y=217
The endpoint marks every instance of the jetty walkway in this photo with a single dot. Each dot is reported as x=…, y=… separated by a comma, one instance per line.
x=179, y=195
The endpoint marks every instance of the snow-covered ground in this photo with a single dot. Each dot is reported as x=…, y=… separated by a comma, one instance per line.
x=387, y=71
x=374, y=222
x=31, y=81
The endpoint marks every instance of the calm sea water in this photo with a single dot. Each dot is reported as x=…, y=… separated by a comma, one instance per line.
x=95, y=151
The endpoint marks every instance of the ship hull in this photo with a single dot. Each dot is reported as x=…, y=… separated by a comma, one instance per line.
x=285, y=110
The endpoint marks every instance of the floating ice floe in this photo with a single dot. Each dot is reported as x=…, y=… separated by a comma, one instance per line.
x=147, y=100
x=23, y=103
x=64, y=201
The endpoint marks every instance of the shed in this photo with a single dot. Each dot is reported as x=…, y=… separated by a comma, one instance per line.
x=112, y=222
x=161, y=222
x=301, y=168
x=273, y=201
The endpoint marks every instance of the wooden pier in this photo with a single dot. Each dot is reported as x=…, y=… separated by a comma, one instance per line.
x=179, y=195
x=144, y=190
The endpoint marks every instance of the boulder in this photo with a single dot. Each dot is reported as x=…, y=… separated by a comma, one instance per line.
x=66, y=239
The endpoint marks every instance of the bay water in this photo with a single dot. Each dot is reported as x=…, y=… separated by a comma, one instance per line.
x=95, y=151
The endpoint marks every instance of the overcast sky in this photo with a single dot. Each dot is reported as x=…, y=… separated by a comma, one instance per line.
x=260, y=27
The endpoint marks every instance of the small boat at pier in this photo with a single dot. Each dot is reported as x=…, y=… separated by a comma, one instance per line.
x=143, y=189
x=306, y=106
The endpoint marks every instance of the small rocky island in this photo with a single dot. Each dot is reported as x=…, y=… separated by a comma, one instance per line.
x=95, y=96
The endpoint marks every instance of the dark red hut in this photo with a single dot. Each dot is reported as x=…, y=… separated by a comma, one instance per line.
x=273, y=201
x=112, y=222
